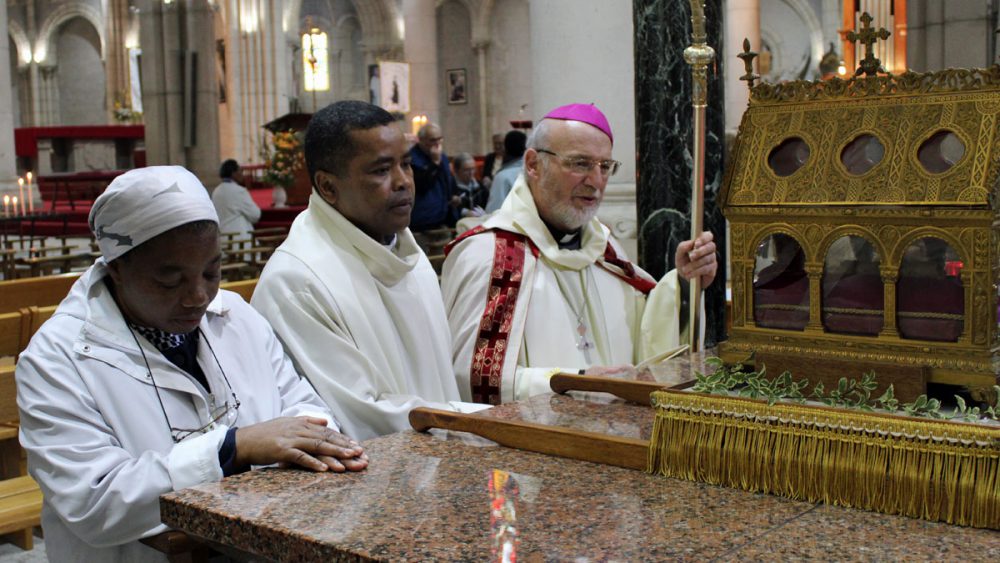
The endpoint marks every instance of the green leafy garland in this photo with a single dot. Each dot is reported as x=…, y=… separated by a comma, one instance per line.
x=849, y=393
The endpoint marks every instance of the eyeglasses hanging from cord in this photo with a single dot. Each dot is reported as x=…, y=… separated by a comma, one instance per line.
x=226, y=415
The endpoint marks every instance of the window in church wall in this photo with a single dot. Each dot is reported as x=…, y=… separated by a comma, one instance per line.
x=315, y=61
x=780, y=284
x=930, y=300
x=852, y=288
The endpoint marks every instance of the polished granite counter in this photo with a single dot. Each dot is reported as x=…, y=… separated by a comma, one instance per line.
x=428, y=497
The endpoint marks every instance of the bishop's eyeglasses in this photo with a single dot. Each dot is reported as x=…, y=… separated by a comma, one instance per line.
x=583, y=165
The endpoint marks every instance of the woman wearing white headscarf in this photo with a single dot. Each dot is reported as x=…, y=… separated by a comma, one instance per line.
x=148, y=379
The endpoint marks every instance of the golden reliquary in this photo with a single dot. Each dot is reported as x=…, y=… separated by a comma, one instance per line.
x=864, y=229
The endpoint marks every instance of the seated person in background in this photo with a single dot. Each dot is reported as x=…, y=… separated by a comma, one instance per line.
x=349, y=293
x=435, y=204
x=493, y=161
x=237, y=211
x=541, y=284
x=148, y=379
x=513, y=146
x=473, y=194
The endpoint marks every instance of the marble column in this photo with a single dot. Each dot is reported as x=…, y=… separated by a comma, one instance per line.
x=950, y=34
x=178, y=68
x=664, y=136
x=8, y=163
x=485, y=142
x=596, y=66
x=420, y=49
x=742, y=22
x=116, y=57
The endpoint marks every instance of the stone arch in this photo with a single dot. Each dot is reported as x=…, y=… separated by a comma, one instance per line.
x=21, y=41
x=805, y=11
x=45, y=43
x=356, y=85
x=481, y=23
x=80, y=75
x=377, y=20
x=814, y=31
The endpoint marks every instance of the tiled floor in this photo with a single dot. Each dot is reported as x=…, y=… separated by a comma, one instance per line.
x=10, y=553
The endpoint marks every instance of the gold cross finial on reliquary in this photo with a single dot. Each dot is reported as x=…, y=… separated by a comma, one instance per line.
x=868, y=37
x=747, y=56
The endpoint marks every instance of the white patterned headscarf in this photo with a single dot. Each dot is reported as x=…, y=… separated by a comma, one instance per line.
x=146, y=202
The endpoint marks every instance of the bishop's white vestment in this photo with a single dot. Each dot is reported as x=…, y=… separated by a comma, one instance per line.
x=363, y=322
x=521, y=308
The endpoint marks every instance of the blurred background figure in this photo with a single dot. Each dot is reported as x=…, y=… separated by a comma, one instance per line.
x=237, y=211
x=472, y=194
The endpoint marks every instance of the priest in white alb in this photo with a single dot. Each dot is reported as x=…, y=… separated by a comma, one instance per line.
x=350, y=294
x=541, y=287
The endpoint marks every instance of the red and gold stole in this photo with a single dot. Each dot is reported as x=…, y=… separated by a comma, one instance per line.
x=501, y=299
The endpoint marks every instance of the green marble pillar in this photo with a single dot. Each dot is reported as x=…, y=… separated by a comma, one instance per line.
x=663, y=141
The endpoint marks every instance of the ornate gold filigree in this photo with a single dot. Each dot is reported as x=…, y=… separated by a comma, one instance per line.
x=907, y=83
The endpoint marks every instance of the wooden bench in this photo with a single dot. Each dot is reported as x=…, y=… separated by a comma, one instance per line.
x=20, y=497
x=15, y=332
x=39, y=291
x=244, y=288
x=273, y=241
x=7, y=266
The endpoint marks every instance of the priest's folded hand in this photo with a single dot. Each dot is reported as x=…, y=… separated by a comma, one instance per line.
x=304, y=441
x=697, y=258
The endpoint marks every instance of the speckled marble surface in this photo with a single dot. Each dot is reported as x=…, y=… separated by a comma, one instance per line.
x=425, y=497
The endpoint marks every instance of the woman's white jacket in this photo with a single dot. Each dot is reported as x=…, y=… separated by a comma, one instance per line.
x=97, y=440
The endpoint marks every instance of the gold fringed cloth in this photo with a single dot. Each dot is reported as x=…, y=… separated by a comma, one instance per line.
x=931, y=469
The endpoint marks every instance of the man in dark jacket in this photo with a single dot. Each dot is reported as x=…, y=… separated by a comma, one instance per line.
x=436, y=204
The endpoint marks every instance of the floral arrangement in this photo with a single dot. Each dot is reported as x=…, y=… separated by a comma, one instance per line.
x=123, y=113
x=282, y=158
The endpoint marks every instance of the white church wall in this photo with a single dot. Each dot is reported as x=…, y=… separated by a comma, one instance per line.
x=582, y=52
x=509, y=64
x=953, y=34
x=459, y=121
x=80, y=74
x=794, y=33
x=15, y=86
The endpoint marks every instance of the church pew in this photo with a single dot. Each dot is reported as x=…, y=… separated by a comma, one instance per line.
x=14, y=332
x=20, y=497
x=39, y=291
x=7, y=269
x=244, y=288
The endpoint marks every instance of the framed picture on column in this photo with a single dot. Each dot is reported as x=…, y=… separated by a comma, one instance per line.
x=455, y=86
x=394, y=83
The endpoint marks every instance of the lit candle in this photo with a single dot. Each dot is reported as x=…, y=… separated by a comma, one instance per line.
x=14, y=201
x=31, y=198
x=6, y=205
x=417, y=122
x=20, y=188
